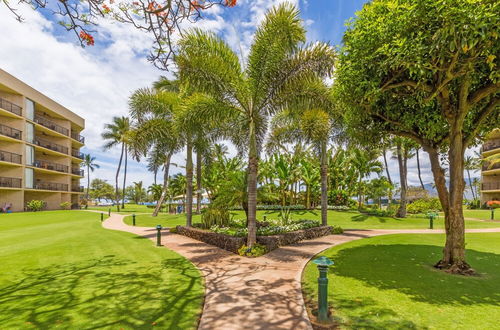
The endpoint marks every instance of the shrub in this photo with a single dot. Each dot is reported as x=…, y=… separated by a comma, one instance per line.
x=272, y=207
x=337, y=230
x=338, y=197
x=35, y=205
x=424, y=205
x=255, y=251
x=474, y=204
x=213, y=216
x=493, y=204
x=173, y=230
x=285, y=216
x=274, y=228
x=65, y=205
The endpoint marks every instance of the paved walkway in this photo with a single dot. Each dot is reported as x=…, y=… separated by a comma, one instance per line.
x=254, y=293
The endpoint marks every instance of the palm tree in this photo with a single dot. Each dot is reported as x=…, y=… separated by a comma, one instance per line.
x=89, y=163
x=365, y=162
x=156, y=191
x=417, y=150
x=155, y=112
x=404, y=151
x=471, y=164
x=276, y=65
x=117, y=133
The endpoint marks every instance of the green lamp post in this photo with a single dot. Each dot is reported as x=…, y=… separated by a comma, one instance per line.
x=133, y=219
x=109, y=212
x=102, y=216
x=323, y=264
x=432, y=216
x=158, y=235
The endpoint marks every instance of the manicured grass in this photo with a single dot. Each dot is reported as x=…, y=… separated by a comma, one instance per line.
x=482, y=214
x=388, y=282
x=61, y=269
x=347, y=220
x=129, y=209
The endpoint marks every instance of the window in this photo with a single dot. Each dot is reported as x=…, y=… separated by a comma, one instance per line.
x=29, y=179
x=30, y=133
x=30, y=109
x=30, y=155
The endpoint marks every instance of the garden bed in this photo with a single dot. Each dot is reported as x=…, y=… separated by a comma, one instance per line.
x=271, y=242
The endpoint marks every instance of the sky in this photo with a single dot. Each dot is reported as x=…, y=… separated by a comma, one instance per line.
x=95, y=82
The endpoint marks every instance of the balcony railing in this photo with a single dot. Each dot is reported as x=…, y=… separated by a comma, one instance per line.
x=77, y=137
x=490, y=186
x=51, y=186
x=10, y=182
x=50, y=145
x=10, y=132
x=76, y=153
x=51, y=166
x=9, y=106
x=77, y=188
x=10, y=157
x=491, y=145
x=51, y=125
x=77, y=171
x=486, y=166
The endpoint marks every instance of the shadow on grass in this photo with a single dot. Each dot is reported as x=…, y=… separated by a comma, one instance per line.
x=408, y=269
x=106, y=292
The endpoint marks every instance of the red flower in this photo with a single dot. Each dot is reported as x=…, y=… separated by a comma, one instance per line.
x=87, y=38
x=106, y=9
x=493, y=204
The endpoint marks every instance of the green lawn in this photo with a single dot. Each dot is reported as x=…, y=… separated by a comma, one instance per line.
x=481, y=214
x=388, y=282
x=129, y=209
x=61, y=269
x=347, y=220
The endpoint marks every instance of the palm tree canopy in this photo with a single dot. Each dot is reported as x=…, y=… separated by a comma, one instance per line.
x=119, y=131
x=89, y=162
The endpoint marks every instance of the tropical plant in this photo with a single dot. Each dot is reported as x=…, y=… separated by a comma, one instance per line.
x=156, y=191
x=276, y=65
x=117, y=133
x=90, y=164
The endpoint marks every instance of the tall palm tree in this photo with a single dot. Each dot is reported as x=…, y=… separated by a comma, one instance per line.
x=417, y=151
x=154, y=112
x=117, y=133
x=471, y=164
x=365, y=162
x=276, y=64
x=404, y=150
x=91, y=165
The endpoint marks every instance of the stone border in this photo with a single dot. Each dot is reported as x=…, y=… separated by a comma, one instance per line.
x=272, y=242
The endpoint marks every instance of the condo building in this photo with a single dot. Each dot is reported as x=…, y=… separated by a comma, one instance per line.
x=40, y=145
x=490, y=175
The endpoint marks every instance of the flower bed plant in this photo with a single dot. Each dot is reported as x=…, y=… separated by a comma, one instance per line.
x=270, y=228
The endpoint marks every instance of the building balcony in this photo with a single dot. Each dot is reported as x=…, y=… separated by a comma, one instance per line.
x=11, y=132
x=486, y=167
x=76, y=153
x=491, y=145
x=11, y=107
x=51, y=186
x=76, y=188
x=10, y=157
x=51, y=125
x=77, y=137
x=50, y=145
x=490, y=186
x=77, y=171
x=51, y=166
x=10, y=182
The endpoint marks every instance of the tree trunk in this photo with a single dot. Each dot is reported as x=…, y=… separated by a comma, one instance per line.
x=155, y=173
x=166, y=167
x=253, y=163
x=359, y=192
x=401, y=213
x=88, y=184
x=124, y=176
x=189, y=184
x=198, y=182
x=324, y=181
x=386, y=166
x=117, y=193
x=308, y=198
x=453, y=260
x=418, y=168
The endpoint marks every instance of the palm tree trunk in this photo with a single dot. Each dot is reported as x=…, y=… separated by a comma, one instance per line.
x=386, y=166
x=88, y=183
x=124, y=176
x=418, y=169
x=155, y=172
x=166, y=168
x=117, y=194
x=252, y=187
x=198, y=182
x=401, y=213
x=359, y=191
x=324, y=181
x=189, y=183
x=470, y=184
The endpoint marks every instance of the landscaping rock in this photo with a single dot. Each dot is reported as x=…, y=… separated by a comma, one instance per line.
x=232, y=244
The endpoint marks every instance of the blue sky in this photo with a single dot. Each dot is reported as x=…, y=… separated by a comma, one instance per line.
x=95, y=82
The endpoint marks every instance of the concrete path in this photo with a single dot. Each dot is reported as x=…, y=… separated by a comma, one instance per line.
x=254, y=293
